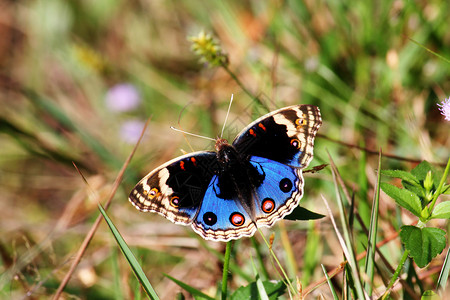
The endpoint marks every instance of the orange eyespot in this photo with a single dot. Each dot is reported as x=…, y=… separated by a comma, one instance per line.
x=237, y=219
x=175, y=201
x=194, y=161
x=252, y=132
x=268, y=205
x=295, y=143
x=152, y=193
x=301, y=122
x=182, y=165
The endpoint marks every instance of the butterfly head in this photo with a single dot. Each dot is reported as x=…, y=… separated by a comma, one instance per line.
x=226, y=153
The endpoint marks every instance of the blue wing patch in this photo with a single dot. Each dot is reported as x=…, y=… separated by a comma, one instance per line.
x=279, y=193
x=222, y=219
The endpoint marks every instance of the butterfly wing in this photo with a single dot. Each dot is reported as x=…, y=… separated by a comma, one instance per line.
x=279, y=193
x=221, y=219
x=176, y=189
x=225, y=219
x=279, y=145
x=285, y=135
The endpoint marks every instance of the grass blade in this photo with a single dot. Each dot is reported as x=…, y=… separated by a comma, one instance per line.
x=259, y=284
x=330, y=284
x=347, y=246
x=372, y=240
x=443, y=276
x=137, y=270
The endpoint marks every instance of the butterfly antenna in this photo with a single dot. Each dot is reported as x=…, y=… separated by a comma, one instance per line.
x=226, y=118
x=193, y=134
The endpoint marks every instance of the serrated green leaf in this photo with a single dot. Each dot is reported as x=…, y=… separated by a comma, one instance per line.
x=403, y=175
x=416, y=189
x=441, y=211
x=273, y=289
x=421, y=170
x=403, y=197
x=423, y=244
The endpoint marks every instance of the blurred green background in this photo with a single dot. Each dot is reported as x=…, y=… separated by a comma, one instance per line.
x=79, y=78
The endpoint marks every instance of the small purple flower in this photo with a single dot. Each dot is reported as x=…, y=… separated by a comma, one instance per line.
x=122, y=98
x=130, y=131
x=444, y=107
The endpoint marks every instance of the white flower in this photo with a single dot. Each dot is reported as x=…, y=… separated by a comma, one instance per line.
x=444, y=107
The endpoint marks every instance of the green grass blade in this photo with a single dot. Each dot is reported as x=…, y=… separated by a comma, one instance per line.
x=116, y=273
x=346, y=238
x=443, y=276
x=259, y=284
x=330, y=284
x=372, y=240
x=193, y=291
x=138, y=272
x=260, y=258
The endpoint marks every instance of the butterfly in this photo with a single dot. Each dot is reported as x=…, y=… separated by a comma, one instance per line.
x=228, y=193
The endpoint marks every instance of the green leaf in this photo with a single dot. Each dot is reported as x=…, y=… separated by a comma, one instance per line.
x=403, y=197
x=273, y=289
x=192, y=290
x=430, y=295
x=446, y=189
x=404, y=176
x=421, y=170
x=423, y=244
x=441, y=211
x=301, y=213
x=416, y=189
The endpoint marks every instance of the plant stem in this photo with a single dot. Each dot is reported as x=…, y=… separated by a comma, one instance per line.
x=235, y=78
x=441, y=184
x=396, y=274
x=226, y=265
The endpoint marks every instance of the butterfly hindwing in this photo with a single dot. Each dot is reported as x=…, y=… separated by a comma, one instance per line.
x=222, y=219
x=285, y=135
x=176, y=189
x=279, y=193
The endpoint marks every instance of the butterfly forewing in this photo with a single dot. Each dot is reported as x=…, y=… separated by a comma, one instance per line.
x=285, y=135
x=176, y=189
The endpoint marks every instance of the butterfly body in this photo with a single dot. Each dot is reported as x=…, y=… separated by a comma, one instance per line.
x=228, y=193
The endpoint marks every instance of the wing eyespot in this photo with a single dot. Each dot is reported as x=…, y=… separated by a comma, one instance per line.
x=300, y=122
x=210, y=218
x=286, y=185
x=175, y=201
x=237, y=219
x=268, y=205
x=295, y=143
x=153, y=193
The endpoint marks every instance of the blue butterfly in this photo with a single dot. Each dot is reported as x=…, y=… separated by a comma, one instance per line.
x=228, y=193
